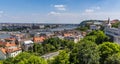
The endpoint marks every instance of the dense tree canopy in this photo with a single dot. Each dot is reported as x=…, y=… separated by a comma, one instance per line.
x=25, y=58
x=51, y=45
x=113, y=59
x=85, y=53
x=97, y=36
x=82, y=28
x=116, y=24
x=107, y=49
x=90, y=38
x=1, y=62
x=62, y=58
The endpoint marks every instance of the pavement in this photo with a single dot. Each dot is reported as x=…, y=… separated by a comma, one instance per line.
x=50, y=55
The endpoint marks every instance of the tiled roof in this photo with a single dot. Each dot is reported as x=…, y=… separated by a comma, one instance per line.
x=3, y=50
x=2, y=43
x=7, y=44
x=68, y=34
x=13, y=50
x=10, y=44
x=7, y=50
x=13, y=39
x=38, y=39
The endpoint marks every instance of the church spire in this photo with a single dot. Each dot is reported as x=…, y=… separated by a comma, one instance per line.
x=108, y=20
x=109, y=24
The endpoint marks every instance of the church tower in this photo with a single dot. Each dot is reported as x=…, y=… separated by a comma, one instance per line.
x=108, y=24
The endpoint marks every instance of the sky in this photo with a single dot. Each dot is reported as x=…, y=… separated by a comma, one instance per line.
x=57, y=11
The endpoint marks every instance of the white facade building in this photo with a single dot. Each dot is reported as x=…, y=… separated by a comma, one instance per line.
x=114, y=33
x=75, y=39
x=2, y=55
x=15, y=53
x=28, y=42
x=94, y=27
x=6, y=52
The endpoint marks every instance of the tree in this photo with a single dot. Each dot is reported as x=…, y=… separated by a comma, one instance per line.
x=52, y=45
x=67, y=44
x=1, y=62
x=49, y=48
x=107, y=49
x=114, y=59
x=101, y=37
x=70, y=45
x=8, y=61
x=56, y=42
x=82, y=28
x=36, y=60
x=25, y=58
x=116, y=24
x=98, y=36
x=38, y=49
x=91, y=38
x=62, y=58
x=85, y=53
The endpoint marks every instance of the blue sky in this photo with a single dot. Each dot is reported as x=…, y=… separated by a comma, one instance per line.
x=57, y=11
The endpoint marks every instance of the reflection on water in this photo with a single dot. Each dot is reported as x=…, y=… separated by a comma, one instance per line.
x=2, y=36
x=64, y=28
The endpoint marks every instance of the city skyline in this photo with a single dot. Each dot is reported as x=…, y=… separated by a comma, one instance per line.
x=57, y=11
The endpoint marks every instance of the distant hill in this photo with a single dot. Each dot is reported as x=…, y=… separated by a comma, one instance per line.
x=90, y=22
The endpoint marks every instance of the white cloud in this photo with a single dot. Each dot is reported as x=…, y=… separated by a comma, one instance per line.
x=89, y=11
x=92, y=9
x=60, y=17
x=53, y=13
x=96, y=8
x=1, y=12
x=60, y=7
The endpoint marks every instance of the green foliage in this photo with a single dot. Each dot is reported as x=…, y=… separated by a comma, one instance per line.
x=62, y=58
x=91, y=38
x=38, y=49
x=97, y=36
x=25, y=58
x=85, y=53
x=56, y=42
x=107, y=49
x=8, y=61
x=51, y=45
x=82, y=28
x=1, y=62
x=114, y=59
x=116, y=24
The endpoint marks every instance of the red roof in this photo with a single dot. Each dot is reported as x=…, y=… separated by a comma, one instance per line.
x=7, y=50
x=10, y=44
x=7, y=44
x=38, y=39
